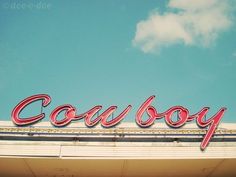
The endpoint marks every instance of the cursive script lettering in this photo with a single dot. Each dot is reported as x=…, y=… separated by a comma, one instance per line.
x=90, y=118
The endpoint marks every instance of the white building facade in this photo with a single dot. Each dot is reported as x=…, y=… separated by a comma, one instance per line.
x=42, y=150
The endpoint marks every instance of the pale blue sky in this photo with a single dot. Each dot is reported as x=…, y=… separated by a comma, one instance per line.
x=83, y=53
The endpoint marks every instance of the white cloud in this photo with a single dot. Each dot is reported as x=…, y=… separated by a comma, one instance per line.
x=191, y=22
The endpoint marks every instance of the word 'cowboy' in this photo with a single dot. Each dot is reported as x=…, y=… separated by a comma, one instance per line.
x=70, y=114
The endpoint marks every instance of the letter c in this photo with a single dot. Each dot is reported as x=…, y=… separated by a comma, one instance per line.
x=26, y=121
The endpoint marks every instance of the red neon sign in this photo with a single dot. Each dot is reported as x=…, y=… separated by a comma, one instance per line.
x=71, y=115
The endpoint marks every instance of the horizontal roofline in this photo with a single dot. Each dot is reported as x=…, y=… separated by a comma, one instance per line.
x=81, y=124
